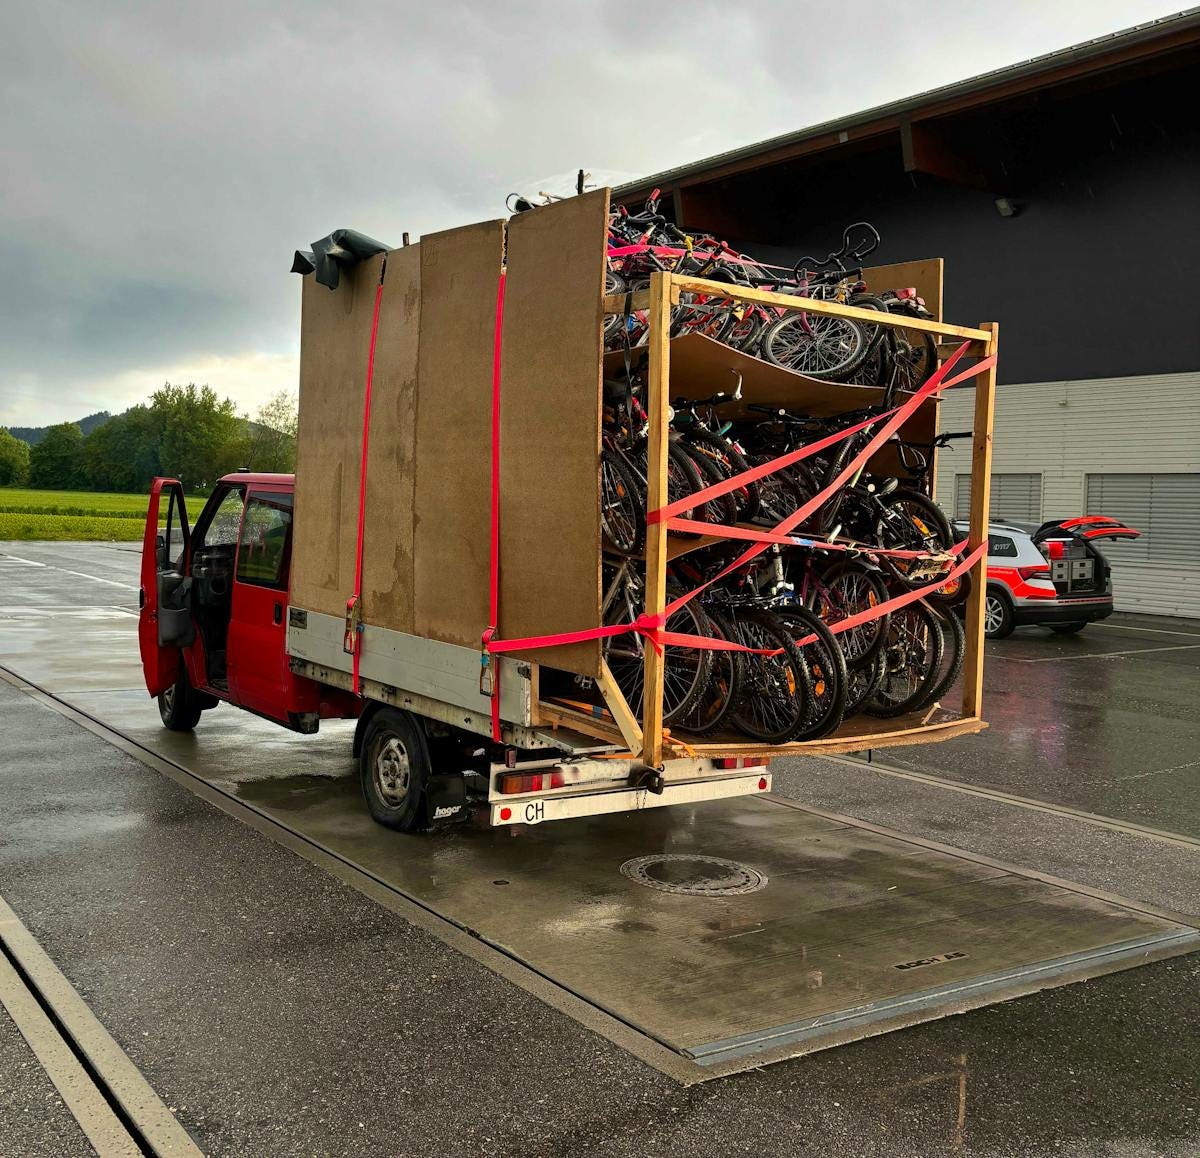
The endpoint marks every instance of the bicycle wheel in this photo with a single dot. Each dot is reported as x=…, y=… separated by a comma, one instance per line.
x=912, y=657
x=954, y=644
x=862, y=684
x=722, y=509
x=622, y=505
x=724, y=691
x=846, y=589
x=614, y=283
x=686, y=670
x=745, y=497
x=777, y=687
x=818, y=345
x=826, y=666
x=910, y=521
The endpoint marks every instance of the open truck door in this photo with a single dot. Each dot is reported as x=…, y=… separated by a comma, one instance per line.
x=165, y=618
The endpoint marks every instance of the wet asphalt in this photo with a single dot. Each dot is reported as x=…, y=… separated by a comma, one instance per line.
x=280, y=1011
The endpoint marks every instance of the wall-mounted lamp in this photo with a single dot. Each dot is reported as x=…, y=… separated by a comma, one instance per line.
x=1006, y=207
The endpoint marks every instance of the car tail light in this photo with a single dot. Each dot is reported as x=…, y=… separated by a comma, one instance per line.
x=1055, y=548
x=510, y=783
x=1034, y=570
x=741, y=761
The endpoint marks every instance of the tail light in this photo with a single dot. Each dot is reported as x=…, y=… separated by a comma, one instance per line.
x=727, y=762
x=510, y=783
x=1055, y=549
x=1034, y=570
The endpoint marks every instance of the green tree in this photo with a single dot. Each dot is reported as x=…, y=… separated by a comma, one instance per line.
x=14, y=459
x=272, y=438
x=56, y=463
x=122, y=454
x=200, y=435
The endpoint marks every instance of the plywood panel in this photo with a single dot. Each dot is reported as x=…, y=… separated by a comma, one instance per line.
x=550, y=427
x=460, y=271
x=925, y=275
x=335, y=335
x=387, y=599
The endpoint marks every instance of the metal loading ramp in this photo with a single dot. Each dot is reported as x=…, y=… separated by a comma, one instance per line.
x=732, y=933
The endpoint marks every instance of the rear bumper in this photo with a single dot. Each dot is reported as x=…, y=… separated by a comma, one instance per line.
x=1062, y=610
x=534, y=809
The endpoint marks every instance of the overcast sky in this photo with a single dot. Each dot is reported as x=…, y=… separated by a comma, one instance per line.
x=160, y=162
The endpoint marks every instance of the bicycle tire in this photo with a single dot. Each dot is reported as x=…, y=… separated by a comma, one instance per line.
x=724, y=691
x=928, y=529
x=782, y=680
x=954, y=640
x=747, y=497
x=862, y=684
x=914, y=625
x=722, y=509
x=827, y=669
x=864, y=589
x=623, y=535
x=830, y=350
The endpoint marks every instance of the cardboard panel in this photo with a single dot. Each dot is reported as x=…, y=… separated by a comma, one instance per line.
x=460, y=272
x=387, y=599
x=335, y=336
x=550, y=427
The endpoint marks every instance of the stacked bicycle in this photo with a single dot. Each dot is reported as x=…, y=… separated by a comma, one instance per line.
x=811, y=648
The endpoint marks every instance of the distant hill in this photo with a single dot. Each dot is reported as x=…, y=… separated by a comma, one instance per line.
x=34, y=434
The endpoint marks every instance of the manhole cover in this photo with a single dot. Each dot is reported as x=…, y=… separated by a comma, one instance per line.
x=696, y=876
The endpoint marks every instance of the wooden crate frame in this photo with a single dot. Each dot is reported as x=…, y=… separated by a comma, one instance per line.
x=646, y=736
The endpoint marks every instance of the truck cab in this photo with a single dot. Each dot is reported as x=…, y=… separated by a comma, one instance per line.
x=214, y=606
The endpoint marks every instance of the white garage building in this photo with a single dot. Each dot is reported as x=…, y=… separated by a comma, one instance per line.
x=1128, y=448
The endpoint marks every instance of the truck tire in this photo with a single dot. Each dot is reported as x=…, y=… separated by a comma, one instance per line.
x=394, y=768
x=179, y=707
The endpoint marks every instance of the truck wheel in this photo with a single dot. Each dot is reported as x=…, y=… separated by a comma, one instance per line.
x=998, y=620
x=394, y=768
x=179, y=706
x=1067, y=628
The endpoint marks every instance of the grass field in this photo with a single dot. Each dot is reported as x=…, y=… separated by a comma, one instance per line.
x=30, y=514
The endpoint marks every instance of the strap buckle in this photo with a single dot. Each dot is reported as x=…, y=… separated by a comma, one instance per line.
x=353, y=628
x=487, y=668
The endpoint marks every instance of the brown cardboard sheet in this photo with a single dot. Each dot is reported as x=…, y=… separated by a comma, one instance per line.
x=460, y=272
x=335, y=336
x=387, y=595
x=550, y=427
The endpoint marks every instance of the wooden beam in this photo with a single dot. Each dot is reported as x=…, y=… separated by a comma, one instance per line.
x=658, y=392
x=816, y=306
x=926, y=150
x=615, y=303
x=631, y=730
x=981, y=493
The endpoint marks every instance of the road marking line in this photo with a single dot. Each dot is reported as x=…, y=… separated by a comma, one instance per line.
x=79, y=1093
x=1147, y=630
x=1128, y=827
x=124, y=1081
x=68, y=571
x=1098, y=654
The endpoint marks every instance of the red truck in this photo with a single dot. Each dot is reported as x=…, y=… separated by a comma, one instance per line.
x=216, y=627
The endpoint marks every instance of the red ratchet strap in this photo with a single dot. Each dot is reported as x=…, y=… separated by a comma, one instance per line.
x=651, y=627
x=752, y=536
x=494, y=576
x=698, y=251
x=937, y=381
x=352, y=639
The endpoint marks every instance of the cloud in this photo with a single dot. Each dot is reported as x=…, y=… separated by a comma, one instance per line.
x=158, y=163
